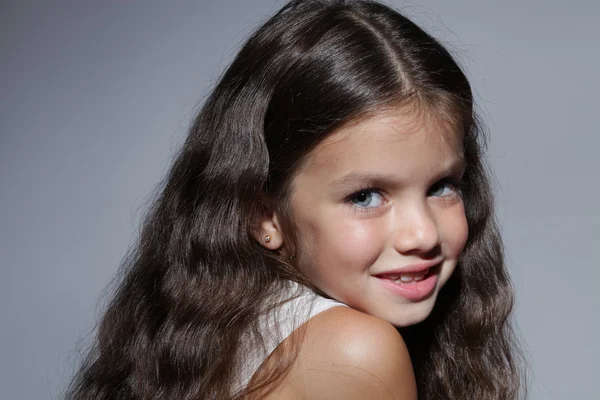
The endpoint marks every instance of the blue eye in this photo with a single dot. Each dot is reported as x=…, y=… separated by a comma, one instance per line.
x=444, y=188
x=367, y=199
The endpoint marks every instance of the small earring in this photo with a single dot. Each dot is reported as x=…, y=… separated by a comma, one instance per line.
x=267, y=239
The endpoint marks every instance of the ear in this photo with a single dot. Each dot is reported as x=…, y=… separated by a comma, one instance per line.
x=268, y=232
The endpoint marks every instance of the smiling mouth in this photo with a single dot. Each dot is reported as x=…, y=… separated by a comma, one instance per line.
x=411, y=277
x=413, y=286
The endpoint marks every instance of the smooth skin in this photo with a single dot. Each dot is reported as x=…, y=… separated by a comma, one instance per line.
x=374, y=196
x=345, y=354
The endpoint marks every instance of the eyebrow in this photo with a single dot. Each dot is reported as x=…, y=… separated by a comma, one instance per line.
x=456, y=166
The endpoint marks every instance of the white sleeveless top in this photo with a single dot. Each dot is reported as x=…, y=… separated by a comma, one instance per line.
x=276, y=326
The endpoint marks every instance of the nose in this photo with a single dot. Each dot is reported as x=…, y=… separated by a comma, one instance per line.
x=416, y=230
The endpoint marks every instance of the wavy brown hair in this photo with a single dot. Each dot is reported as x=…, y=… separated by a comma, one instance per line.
x=196, y=281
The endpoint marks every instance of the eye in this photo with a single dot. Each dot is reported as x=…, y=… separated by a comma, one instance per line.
x=369, y=198
x=446, y=187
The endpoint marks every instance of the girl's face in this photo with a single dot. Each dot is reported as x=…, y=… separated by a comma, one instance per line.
x=379, y=214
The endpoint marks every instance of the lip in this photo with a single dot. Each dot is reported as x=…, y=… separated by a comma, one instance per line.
x=413, y=268
x=415, y=291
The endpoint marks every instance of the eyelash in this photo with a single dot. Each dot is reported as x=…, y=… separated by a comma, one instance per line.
x=354, y=195
x=458, y=185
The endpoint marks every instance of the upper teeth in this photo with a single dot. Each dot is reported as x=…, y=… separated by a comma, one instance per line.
x=409, y=276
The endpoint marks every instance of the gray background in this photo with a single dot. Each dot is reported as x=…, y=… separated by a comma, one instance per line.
x=95, y=98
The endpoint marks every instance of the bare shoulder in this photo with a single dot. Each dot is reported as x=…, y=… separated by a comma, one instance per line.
x=346, y=354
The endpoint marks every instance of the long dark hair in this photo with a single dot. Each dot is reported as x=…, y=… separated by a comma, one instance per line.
x=196, y=281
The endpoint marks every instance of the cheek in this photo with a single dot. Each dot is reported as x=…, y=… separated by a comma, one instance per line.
x=455, y=232
x=357, y=239
x=336, y=241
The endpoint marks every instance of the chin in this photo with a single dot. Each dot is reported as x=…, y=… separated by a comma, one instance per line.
x=411, y=314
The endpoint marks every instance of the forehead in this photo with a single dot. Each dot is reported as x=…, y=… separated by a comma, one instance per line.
x=393, y=138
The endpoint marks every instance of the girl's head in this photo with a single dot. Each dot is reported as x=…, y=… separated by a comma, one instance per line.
x=374, y=203
x=339, y=149
x=366, y=119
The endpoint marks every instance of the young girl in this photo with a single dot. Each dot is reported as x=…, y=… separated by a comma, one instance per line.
x=326, y=231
